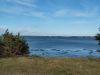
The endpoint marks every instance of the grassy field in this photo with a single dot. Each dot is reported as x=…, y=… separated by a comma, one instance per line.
x=49, y=66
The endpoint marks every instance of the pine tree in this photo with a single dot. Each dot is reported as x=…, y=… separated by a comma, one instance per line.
x=13, y=45
x=1, y=48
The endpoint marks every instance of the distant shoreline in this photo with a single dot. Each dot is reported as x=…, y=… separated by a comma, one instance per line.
x=61, y=36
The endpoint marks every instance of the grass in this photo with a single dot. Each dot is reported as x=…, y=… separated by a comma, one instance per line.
x=49, y=66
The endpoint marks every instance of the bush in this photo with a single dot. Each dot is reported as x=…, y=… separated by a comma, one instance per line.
x=98, y=38
x=13, y=45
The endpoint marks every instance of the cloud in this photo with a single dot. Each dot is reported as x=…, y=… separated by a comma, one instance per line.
x=35, y=14
x=20, y=9
x=29, y=3
x=30, y=8
x=12, y=10
x=75, y=13
x=84, y=8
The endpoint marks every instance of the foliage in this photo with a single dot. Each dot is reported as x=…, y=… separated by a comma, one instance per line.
x=12, y=45
x=98, y=37
x=1, y=47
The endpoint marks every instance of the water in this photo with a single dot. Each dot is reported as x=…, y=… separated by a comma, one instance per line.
x=63, y=46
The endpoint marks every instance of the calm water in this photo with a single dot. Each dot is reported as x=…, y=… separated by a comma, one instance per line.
x=63, y=46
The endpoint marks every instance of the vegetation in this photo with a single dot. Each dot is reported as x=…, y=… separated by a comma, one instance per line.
x=98, y=37
x=12, y=45
x=15, y=45
x=49, y=66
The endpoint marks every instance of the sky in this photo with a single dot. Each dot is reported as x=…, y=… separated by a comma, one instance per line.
x=50, y=17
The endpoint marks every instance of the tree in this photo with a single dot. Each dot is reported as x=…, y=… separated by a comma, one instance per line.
x=98, y=37
x=13, y=45
x=1, y=48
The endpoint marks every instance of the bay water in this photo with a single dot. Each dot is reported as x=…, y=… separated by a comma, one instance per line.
x=60, y=46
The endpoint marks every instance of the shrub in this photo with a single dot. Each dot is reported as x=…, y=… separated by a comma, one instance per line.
x=13, y=45
x=98, y=37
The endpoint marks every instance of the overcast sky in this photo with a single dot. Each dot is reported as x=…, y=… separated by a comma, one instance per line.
x=50, y=17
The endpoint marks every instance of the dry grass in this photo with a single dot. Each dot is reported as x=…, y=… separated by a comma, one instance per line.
x=49, y=66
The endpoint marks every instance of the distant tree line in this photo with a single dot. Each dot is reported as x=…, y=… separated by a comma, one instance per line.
x=13, y=45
